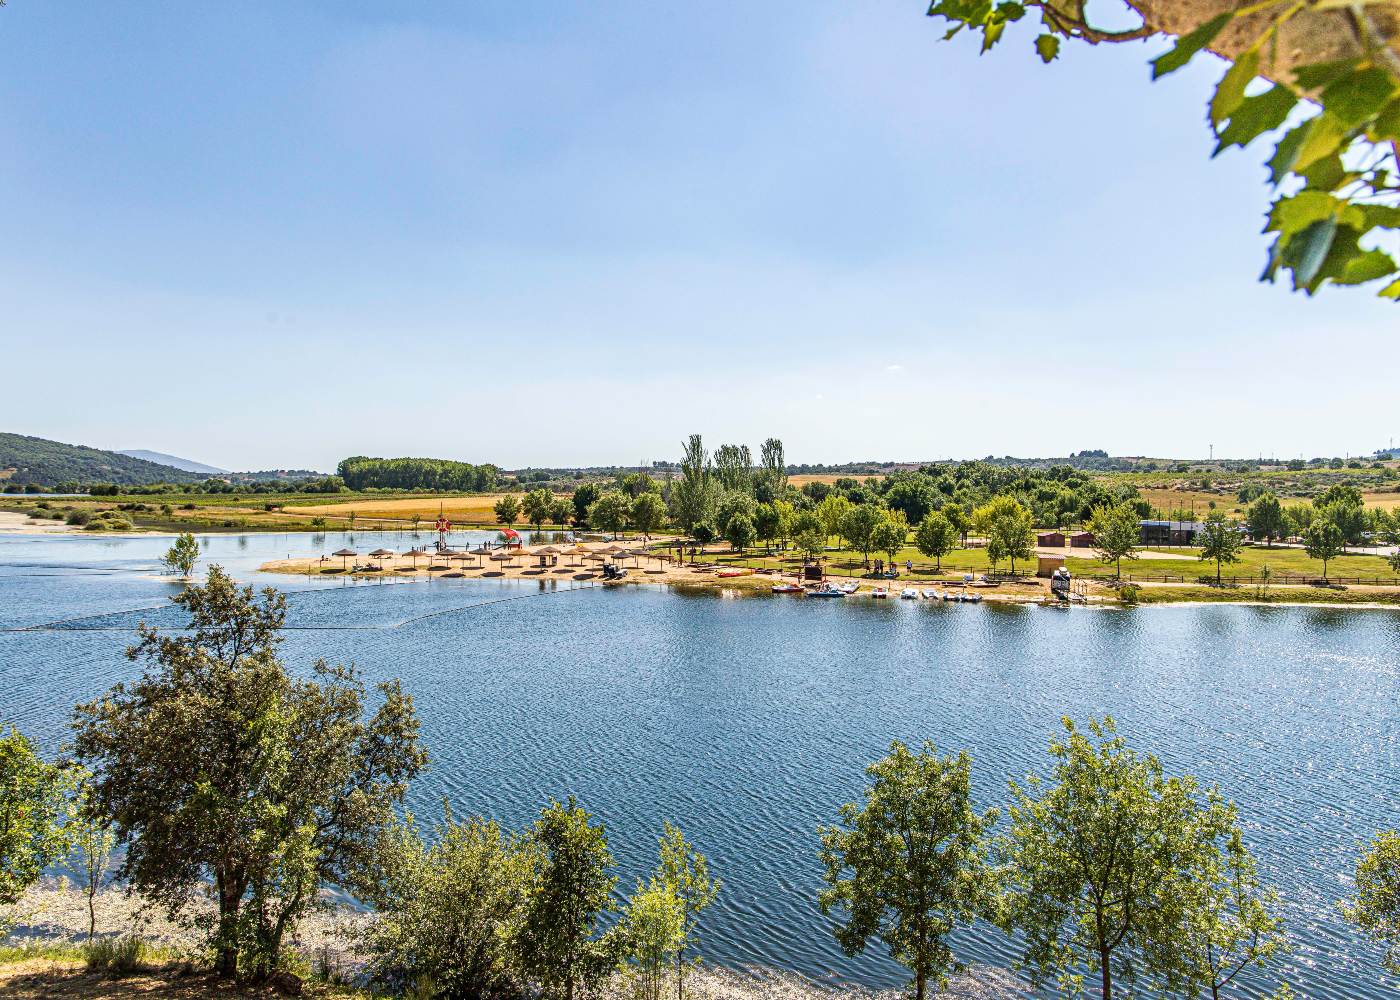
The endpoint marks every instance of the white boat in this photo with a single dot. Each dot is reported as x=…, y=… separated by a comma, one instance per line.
x=908, y=594
x=826, y=592
x=849, y=587
x=930, y=594
x=881, y=592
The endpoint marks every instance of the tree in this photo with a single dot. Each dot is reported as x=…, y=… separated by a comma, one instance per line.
x=538, y=507
x=507, y=510
x=1265, y=518
x=1394, y=561
x=180, y=558
x=685, y=872
x=563, y=511
x=217, y=766
x=1095, y=861
x=92, y=840
x=585, y=496
x=35, y=806
x=558, y=940
x=889, y=537
x=767, y=524
x=648, y=513
x=1342, y=504
x=859, y=528
x=772, y=471
x=1116, y=534
x=1008, y=529
x=695, y=495
x=1324, y=540
x=833, y=511
x=1376, y=907
x=653, y=926
x=913, y=494
x=733, y=468
x=446, y=911
x=936, y=537
x=610, y=512
x=739, y=532
x=1219, y=541
x=908, y=865
x=1330, y=212
x=810, y=543
x=1229, y=921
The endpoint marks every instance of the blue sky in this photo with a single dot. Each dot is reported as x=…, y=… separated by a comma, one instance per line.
x=277, y=233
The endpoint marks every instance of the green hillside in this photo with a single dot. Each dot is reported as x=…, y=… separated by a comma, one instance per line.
x=25, y=460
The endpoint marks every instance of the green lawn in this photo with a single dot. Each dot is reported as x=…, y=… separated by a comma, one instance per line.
x=1281, y=562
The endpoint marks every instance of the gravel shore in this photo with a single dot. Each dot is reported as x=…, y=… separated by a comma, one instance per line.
x=57, y=912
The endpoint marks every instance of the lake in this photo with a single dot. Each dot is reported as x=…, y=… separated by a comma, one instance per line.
x=747, y=721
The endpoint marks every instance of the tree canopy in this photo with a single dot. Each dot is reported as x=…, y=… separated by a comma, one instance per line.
x=1323, y=80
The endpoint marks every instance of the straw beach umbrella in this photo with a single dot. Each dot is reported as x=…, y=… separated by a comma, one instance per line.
x=413, y=555
x=381, y=553
x=344, y=554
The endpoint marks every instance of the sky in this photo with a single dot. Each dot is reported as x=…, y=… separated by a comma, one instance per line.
x=275, y=233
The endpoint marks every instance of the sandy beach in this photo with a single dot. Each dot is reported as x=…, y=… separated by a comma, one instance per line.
x=583, y=563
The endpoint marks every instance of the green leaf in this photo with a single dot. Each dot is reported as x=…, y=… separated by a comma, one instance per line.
x=1286, y=152
x=1305, y=253
x=1391, y=291
x=1230, y=91
x=1188, y=45
x=1297, y=212
x=1011, y=11
x=1323, y=139
x=1326, y=174
x=1317, y=75
x=1255, y=116
x=1387, y=123
x=1048, y=47
x=1384, y=216
x=991, y=33
x=1366, y=266
x=1354, y=98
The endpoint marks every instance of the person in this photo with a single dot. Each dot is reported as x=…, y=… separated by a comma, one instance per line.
x=909, y=566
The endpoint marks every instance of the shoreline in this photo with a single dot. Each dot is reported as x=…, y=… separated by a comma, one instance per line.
x=55, y=913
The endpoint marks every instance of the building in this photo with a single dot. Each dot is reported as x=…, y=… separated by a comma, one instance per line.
x=1082, y=540
x=1169, y=532
x=1047, y=565
x=1050, y=539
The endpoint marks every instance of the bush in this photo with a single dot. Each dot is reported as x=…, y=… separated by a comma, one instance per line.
x=1129, y=593
x=78, y=517
x=121, y=956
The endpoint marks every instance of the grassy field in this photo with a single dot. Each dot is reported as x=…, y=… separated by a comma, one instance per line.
x=1281, y=563
x=475, y=509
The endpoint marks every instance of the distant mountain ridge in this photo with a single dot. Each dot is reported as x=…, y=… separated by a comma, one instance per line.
x=174, y=461
x=25, y=460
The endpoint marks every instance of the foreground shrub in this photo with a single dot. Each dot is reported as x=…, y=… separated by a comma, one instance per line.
x=121, y=956
x=447, y=912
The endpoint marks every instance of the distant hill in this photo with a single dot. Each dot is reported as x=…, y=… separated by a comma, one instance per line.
x=175, y=461
x=25, y=460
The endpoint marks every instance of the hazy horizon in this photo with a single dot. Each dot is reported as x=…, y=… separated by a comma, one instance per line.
x=281, y=234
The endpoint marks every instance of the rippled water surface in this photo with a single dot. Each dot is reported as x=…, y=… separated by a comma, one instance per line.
x=747, y=721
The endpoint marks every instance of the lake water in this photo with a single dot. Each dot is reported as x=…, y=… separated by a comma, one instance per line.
x=748, y=721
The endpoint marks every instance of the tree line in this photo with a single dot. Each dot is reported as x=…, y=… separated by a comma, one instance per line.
x=360, y=472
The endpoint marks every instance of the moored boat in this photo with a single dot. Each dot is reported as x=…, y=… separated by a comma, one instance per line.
x=787, y=588
x=826, y=591
x=880, y=592
x=908, y=594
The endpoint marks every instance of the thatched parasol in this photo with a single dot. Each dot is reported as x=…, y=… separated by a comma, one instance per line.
x=344, y=554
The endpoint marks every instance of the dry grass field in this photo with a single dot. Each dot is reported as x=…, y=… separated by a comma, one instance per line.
x=474, y=509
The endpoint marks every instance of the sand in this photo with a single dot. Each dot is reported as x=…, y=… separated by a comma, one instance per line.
x=12, y=523
x=573, y=570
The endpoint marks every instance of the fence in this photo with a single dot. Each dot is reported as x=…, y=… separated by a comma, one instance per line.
x=1275, y=578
